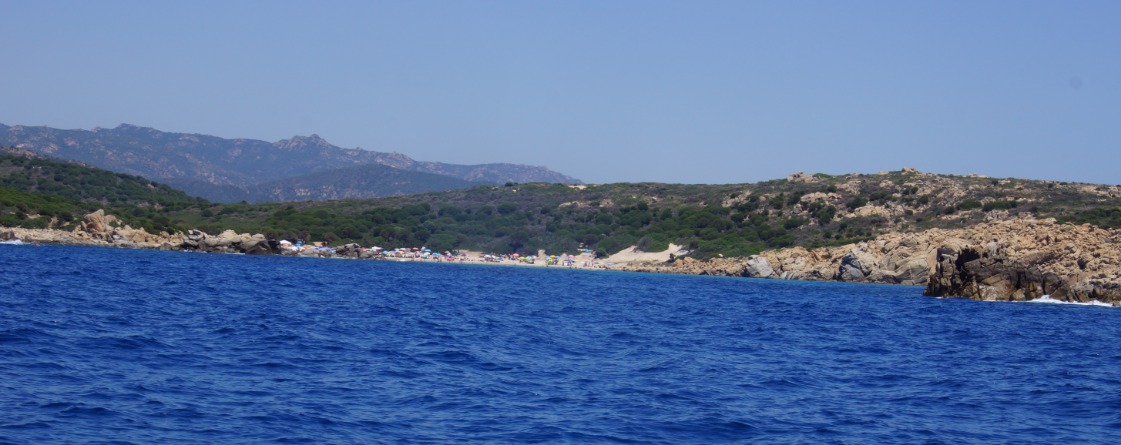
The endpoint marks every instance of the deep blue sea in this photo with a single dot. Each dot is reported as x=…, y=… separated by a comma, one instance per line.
x=118, y=346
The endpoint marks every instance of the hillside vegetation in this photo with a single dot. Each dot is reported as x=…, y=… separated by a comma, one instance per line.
x=710, y=220
x=40, y=193
x=360, y=181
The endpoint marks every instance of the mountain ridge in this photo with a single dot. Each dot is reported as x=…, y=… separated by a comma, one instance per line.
x=354, y=181
x=214, y=168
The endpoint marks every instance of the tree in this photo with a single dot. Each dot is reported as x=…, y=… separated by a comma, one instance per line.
x=518, y=238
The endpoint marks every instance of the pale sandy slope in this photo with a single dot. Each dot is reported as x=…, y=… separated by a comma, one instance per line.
x=630, y=255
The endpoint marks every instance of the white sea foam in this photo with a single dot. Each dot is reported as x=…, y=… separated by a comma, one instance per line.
x=14, y=242
x=1048, y=299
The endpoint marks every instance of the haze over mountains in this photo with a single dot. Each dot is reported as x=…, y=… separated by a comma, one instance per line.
x=230, y=170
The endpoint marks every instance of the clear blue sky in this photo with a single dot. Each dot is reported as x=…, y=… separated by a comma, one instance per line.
x=606, y=91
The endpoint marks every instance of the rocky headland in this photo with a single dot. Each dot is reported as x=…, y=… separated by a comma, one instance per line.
x=1018, y=259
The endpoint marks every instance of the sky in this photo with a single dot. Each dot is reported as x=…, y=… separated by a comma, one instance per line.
x=605, y=91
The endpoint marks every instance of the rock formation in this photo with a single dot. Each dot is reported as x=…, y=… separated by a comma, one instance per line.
x=1029, y=260
x=227, y=242
x=1019, y=259
x=100, y=229
x=349, y=250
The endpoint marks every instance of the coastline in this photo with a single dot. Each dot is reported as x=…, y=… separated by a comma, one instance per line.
x=1006, y=260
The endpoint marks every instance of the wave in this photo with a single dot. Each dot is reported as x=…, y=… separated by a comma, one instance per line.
x=1047, y=299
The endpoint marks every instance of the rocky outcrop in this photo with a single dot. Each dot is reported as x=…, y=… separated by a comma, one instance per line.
x=99, y=229
x=856, y=265
x=228, y=241
x=349, y=250
x=1018, y=259
x=98, y=223
x=758, y=267
x=47, y=236
x=1029, y=260
x=893, y=259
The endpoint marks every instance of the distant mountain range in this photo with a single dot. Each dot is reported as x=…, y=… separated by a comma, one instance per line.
x=230, y=170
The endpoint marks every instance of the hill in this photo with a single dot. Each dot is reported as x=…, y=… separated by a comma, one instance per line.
x=711, y=220
x=220, y=169
x=77, y=182
x=734, y=220
x=972, y=236
x=361, y=181
x=37, y=192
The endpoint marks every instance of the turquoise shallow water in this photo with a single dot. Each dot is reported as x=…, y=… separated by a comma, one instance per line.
x=124, y=346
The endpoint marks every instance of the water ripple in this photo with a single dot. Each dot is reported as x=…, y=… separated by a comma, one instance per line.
x=120, y=346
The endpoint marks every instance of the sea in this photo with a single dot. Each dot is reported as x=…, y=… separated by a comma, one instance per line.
x=117, y=346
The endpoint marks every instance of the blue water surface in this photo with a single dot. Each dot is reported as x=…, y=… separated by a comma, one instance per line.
x=125, y=346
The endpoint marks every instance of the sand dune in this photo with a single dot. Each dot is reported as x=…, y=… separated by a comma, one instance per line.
x=630, y=255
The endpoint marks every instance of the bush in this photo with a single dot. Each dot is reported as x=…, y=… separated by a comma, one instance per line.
x=793, y=223
x=857, y=203
x=969, y=205
x=825, y=215
x=999, y=205
x=652, y=244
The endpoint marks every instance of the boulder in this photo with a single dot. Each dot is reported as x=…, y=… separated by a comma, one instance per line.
x=758, y=267
x=228, y=241
x=856, y=265
x=218, y=243
x=349, y=250
x=98, y=225
x=912, y=272
x=256, y=244
x=128, y=235
x=193, y=239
